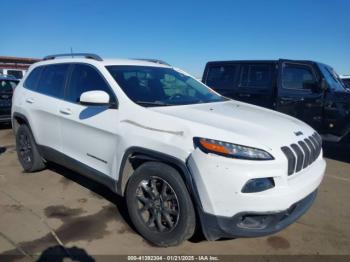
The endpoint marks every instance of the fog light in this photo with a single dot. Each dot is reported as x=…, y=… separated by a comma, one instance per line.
x=258, y=185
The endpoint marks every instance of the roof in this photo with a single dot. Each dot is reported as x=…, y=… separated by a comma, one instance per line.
x=259, y=61
x=140, y=62
x=105, y=62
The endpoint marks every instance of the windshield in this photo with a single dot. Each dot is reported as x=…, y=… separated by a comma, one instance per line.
x=346, y=81
x=158, y=86
x=331, y=77
x=7, y=85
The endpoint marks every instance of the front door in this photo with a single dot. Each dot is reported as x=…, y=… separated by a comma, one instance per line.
x=89, y=133
x=299, y=92
x=336, y=106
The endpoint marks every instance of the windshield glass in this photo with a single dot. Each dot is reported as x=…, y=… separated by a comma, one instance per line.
x=7, y=85
x=157, y=86
x=346, y=81
x=331, y=77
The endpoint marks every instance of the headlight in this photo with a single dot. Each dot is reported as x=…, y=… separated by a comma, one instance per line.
x=231, y=150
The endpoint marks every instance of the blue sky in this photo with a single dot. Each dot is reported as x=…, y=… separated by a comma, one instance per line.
x=186, y=34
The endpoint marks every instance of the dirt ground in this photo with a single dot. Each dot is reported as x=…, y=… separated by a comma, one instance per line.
x=40, y=211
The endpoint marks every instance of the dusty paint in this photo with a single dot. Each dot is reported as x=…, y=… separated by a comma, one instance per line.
x=177, y=133
x=82, y=200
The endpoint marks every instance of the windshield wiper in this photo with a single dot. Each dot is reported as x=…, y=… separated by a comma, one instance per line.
x=155, y=103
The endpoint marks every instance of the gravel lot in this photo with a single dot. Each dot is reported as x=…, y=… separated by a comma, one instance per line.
x=57, y=206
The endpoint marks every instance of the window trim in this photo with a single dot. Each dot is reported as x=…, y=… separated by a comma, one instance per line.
x=235, y=78
x=37, y=81
x=298, y=64
x=270, y=65
x=114, y=104
x=64, y=84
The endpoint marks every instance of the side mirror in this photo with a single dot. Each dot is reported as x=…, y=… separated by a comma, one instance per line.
x=324, y=85
x=94, y=98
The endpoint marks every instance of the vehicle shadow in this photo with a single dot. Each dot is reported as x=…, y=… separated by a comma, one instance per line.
x=115, y=199
x=96, y=188
x=60, y=254
x=337, y=151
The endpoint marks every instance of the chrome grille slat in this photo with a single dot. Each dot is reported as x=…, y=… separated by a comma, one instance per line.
x=303, y=153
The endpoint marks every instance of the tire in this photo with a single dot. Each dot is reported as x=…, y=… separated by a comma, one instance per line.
x=27, y=150
x=168, y=209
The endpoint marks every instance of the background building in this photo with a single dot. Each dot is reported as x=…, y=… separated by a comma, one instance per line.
x=15, y=66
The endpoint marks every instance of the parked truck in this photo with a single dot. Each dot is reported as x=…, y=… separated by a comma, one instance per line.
x=308, y=90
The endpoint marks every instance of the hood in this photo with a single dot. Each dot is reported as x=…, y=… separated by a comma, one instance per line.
x=261, y=125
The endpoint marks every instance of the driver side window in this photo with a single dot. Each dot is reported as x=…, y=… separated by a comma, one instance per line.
x=86, y=78
x=296, y=76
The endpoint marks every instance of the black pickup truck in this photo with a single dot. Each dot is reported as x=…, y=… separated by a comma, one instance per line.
x=7, y=85
x=307, y=90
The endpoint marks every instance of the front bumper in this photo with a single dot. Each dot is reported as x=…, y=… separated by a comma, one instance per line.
x=227, y=212
x=248, y=224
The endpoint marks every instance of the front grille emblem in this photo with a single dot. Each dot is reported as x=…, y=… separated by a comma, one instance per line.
x=298, y=133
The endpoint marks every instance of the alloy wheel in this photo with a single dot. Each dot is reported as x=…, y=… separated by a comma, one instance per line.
x=158, y=204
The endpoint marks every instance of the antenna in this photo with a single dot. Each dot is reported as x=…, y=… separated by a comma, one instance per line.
x=71, y=51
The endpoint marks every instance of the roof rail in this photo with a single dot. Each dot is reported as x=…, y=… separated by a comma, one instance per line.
x=157, y=61
x=86, y=55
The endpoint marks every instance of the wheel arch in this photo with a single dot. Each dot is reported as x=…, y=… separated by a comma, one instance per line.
x=19, y=119
x=136, y=156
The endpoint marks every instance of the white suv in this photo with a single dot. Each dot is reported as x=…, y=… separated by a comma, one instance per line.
x=180, y=153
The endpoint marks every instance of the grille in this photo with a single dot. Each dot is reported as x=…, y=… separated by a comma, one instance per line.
x=301, y=154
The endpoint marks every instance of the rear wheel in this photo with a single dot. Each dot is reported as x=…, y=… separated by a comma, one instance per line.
x=159, y=204
x=27, y=150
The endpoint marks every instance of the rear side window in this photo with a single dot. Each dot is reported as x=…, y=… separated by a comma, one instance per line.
x=52, y=80
x=85, y=78
x=221, y=77
x=256, y=75
x=295, y=76
x=32, y=80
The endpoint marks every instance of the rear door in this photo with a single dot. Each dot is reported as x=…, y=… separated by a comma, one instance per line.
x=222, y=78
x=42, y=102
x=256, y=84
x=299, y=92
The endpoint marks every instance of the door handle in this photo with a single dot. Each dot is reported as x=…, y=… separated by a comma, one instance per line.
x=290, y=99
x=30, y=100
x=66, y=111
x=244, y=95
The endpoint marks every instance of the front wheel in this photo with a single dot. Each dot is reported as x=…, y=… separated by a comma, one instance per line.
x=159, y=204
